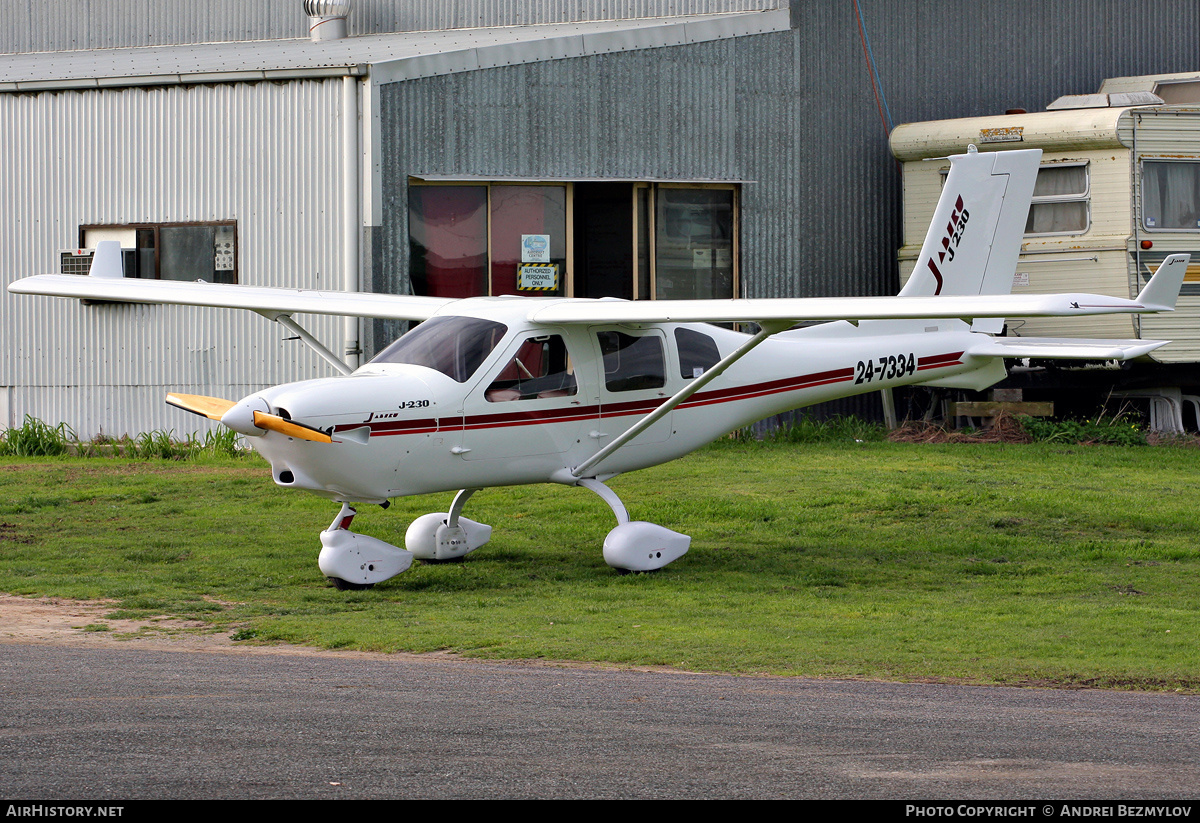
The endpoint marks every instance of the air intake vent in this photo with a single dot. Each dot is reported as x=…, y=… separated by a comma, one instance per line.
x=326, y=18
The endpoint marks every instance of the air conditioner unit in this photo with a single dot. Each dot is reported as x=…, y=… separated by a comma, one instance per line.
x=75, y=261
x=79, y=261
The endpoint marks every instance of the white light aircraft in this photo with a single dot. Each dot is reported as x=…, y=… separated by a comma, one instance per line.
x=498, y=391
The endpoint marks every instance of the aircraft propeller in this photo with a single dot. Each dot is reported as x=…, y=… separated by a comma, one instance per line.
x=243, y=419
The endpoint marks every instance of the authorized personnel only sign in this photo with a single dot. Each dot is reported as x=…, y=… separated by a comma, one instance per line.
x=538, y=278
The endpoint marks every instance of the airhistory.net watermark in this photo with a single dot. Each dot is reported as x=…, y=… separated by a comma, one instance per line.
x=44, y=810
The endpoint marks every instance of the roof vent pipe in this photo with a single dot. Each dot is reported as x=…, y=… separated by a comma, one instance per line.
x=326, y=19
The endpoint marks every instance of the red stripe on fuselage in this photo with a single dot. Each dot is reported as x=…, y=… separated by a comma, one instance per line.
x=422, y=426
x=807, y=381
x=937, y=361
x=533, y=417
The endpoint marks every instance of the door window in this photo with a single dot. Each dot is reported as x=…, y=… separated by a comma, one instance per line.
x=540, y=369
x=632, y=363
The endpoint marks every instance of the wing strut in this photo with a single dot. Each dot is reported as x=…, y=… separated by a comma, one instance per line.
x=291, y=325
x=767, y=329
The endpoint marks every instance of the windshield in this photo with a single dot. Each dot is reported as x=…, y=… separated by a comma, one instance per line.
x=454, y=346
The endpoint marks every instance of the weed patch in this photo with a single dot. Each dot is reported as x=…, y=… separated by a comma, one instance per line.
x=33, y=438
x=1113, y=431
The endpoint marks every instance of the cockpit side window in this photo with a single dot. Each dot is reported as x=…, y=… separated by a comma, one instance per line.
x=632, y=363
x=541, y=368
x=697, y=353
x=454, y=346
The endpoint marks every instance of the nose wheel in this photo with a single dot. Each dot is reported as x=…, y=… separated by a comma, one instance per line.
x=356, y=561
x=353, y=562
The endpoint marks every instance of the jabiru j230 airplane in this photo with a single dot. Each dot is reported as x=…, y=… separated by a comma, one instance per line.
x=498, y=391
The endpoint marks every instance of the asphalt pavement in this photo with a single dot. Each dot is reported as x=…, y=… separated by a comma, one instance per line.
x=106, y=724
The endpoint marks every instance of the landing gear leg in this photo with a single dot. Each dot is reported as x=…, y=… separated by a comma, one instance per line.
x=444, y=536
x=634, y=545
x=355, y=561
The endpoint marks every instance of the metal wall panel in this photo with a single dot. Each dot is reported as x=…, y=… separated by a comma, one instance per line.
x=795, y=112
x=57, y=25
x=267, y=155
x=718, y=110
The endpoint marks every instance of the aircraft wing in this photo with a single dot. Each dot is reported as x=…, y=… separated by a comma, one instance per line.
x=1160, y=294
x=407, y=307
x=801, y=309
x=218, y=295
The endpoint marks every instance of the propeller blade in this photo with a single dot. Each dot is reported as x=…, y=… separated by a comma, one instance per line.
x=275, y=423
x=214, y=408
x=211, y=407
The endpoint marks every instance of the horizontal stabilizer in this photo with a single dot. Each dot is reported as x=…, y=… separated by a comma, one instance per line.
x=1064, y=348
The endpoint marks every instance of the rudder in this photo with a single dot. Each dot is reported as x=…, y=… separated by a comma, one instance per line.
x=975, y=236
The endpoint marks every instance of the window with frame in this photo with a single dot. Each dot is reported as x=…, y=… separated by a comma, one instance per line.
x=475, y=240
x=540, y=369
x=172, y=251
x=1061, y=200
x=1171, y=195
x=626, y=239
x=697, y=352
x=693, y=243
x=454, y=346
x=632, y=363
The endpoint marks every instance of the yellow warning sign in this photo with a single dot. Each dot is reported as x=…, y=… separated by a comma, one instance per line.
x=537, y=277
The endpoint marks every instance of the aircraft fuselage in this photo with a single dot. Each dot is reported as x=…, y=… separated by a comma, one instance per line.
x=403, y=429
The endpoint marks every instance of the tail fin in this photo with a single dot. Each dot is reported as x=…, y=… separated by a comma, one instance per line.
x=106, y=262
x=975, y=237
x=1162, y=291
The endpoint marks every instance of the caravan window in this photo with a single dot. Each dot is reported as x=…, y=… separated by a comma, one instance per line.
x=1171, y=195
x=1060, y=200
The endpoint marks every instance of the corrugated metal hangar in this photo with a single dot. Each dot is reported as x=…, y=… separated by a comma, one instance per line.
x=667, y=148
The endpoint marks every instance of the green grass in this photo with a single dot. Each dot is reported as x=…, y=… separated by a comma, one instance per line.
x=1040, y=564
x=33, y=438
